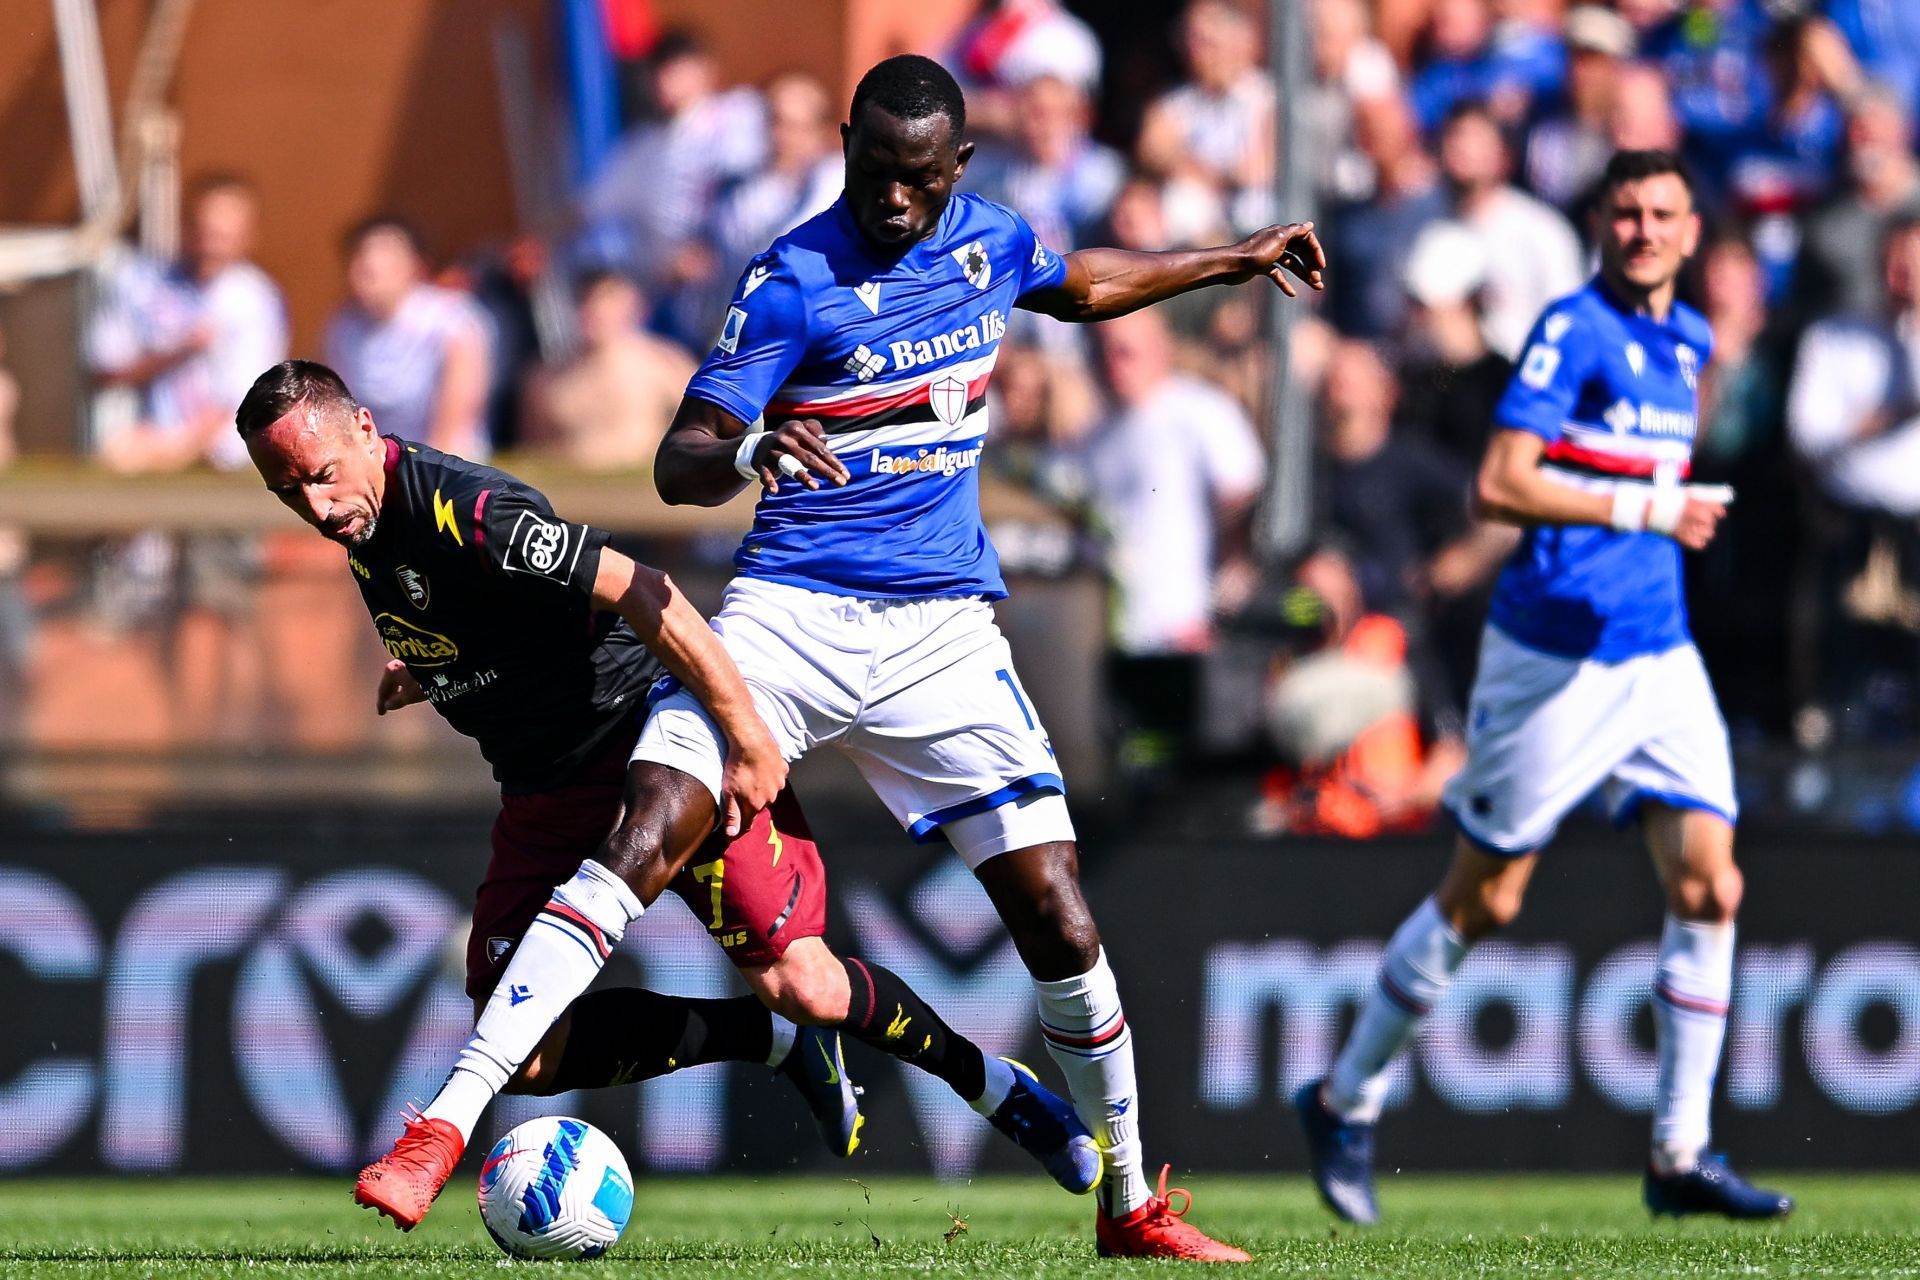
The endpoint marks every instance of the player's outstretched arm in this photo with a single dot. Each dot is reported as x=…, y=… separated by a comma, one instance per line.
x=1103, y=283
x=699, y=461
x=1512, y=489
x=681, y=639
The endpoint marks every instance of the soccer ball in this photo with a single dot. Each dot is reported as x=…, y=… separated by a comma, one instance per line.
x=555, y=1188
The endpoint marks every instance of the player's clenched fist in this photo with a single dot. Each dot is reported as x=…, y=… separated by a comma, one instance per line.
x=398, y=688
x=1698, y=522
x=1291, y=248
x=797, y=450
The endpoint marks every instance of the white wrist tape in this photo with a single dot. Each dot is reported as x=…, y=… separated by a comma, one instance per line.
x=1657, y=508
x=743, y=456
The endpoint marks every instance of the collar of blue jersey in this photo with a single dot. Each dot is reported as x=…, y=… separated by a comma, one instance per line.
x=927, y=248
x=1605, y=293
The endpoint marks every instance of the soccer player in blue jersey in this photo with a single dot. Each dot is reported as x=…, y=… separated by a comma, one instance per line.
x=1588, y=679
x=849, y=382
x=861, y=617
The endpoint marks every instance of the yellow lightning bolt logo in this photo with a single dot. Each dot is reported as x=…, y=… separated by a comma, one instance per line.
x=779, y=845
x=898, y=1027
x=443, y=518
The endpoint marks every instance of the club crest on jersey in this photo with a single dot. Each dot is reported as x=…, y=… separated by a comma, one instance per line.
x=414, y=583
x=1689, y=366
x=497, y=949
x=974, y=264
x=948, y=396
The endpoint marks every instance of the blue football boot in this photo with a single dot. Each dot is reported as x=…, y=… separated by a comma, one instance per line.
x=1342, y=1155
x=1712, y=1187
x=1045, y=1126
x=816, y=1069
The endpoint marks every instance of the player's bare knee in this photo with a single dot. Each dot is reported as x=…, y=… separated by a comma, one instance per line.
x=1712, y=897
x=1483, y=908
x=1062, y=925
x=807, y=985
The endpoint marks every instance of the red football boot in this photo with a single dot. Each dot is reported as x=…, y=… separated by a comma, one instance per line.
x=402, y=1183
x=1155, y=1230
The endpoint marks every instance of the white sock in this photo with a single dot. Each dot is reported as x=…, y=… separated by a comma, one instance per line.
x=1087, y=1035
x=1691, y=989
x=1416, y=971
x=1000, y=1081
x=783, y=1036
x=561, y=954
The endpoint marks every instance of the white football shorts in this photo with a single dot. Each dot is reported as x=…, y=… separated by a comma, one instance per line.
x=1544, y=731
x=921, y=695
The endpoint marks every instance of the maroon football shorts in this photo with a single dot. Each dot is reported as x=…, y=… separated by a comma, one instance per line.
x=755, y=893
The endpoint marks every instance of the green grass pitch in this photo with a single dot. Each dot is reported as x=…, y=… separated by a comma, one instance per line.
x=1439, y=1227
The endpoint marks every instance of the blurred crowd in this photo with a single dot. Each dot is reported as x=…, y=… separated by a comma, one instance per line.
x=1451, y=146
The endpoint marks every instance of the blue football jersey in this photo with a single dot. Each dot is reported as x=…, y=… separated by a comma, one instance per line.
x=1612, y=392
x=892, y=357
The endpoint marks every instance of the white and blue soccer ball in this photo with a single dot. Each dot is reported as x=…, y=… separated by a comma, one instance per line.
x=555, y=1188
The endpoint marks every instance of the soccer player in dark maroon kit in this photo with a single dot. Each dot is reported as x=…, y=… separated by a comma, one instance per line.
x=532, y=636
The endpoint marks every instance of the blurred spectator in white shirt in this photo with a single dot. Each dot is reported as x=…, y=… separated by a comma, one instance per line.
x=650, y=206
x=802, y=175
x=1052, y=171
x=1533, y=255
x=1012, y=43
x=608, y=405
x=1569, y=147
x=1172, y=470
x=188, y=337
x=1839, y=267
x=1853, y=411
x=1349, y=67
x=1215, y=133
x=413, y=353
x=1172, y=473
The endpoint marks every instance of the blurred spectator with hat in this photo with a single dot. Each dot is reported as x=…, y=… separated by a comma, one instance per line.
x=1450, y=378
x=1567, y=148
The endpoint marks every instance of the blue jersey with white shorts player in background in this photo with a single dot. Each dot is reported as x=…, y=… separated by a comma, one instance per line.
x=1612, y=392
x=892, y=358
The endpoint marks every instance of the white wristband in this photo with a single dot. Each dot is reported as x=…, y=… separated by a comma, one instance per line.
x=1664, y=509
x=1630, y=503
x=743, y=456
x=1657, y=508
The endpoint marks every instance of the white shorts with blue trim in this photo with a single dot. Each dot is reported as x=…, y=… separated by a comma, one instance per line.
x=1544, y=731
x=920, y=694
